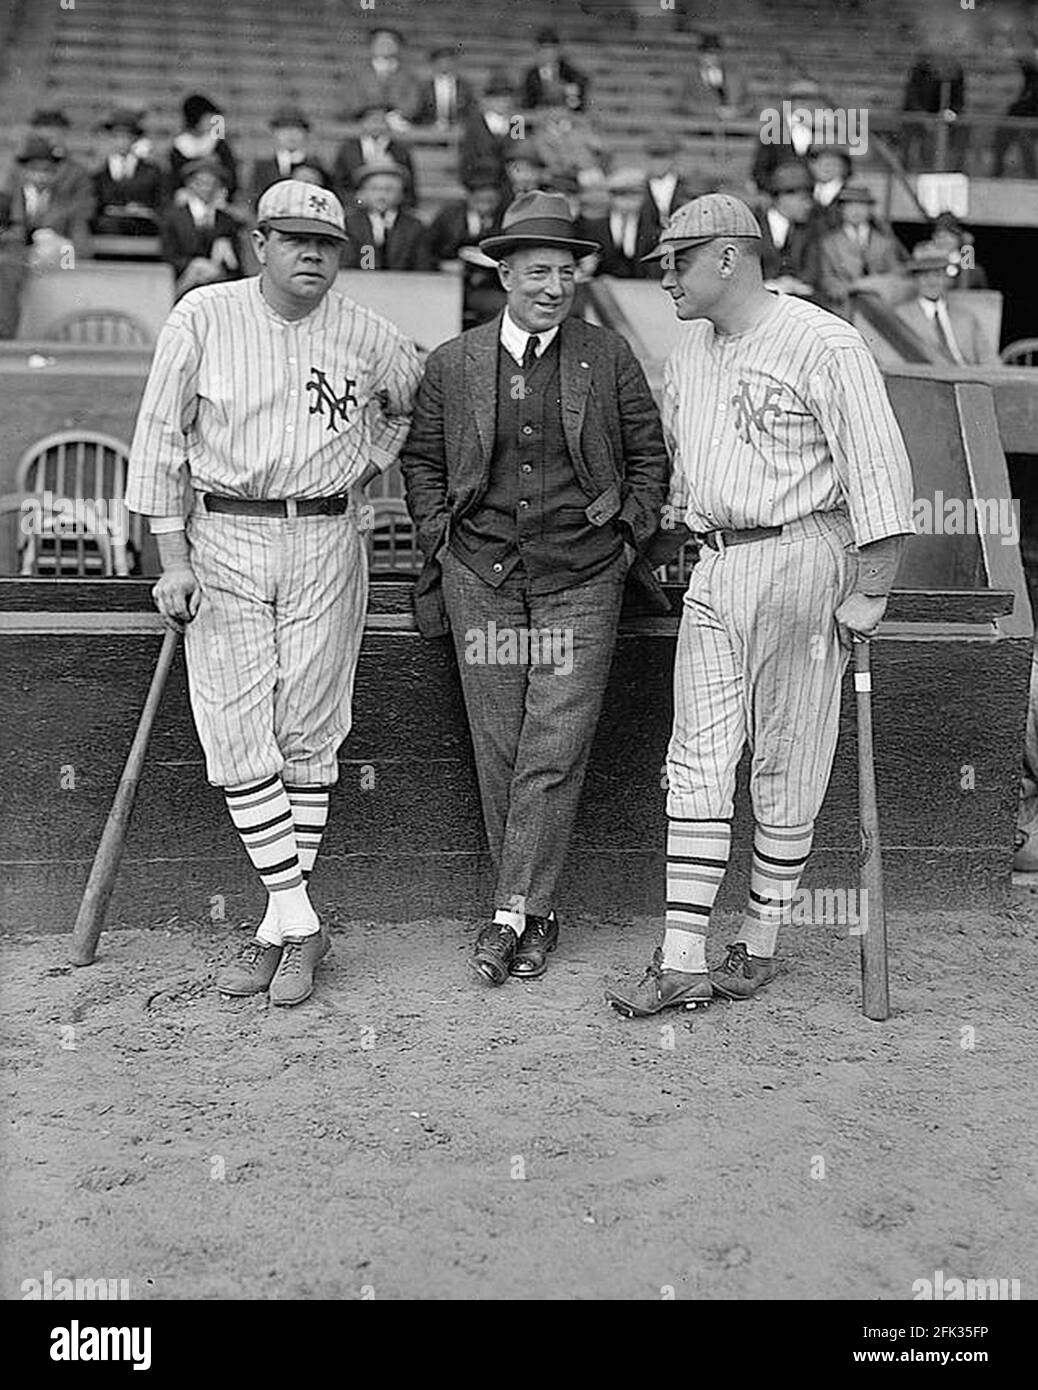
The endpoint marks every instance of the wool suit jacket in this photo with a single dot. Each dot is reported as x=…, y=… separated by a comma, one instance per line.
x=613, y=434
x=842, y=261
x=464, y=102
x=350, y=156
x=266, y=171
x=405, y=248
x=973, y=342
x=182, y=239
x=799, y=256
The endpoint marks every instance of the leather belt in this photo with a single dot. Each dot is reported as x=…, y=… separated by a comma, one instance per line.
x=721, y=540
x=277, y=506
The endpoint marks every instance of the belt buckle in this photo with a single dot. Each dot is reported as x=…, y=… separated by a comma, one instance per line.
x=720, y=544
x=291, y=509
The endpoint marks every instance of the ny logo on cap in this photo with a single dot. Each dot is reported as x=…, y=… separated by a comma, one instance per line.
x=318, y=202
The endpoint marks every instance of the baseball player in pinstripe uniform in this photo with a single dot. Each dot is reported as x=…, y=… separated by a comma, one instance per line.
x=283, y=398
x=790, y=470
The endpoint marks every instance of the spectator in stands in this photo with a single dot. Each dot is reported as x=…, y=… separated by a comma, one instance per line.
x=830, y=167
x=487, y=134
x=1024, y=104
x=936, y=85
x=374, y=145
x=382, y=235
x=789, y=245
x=665, y=188
x=553, y=80
x=951, y=236
x=859, y=249
x=72, y=183
x=311, y=173
x=12, y=259
x=127, y=189
x=290, y=131
x=384, y=81
x=621, y=233
x=202, y=137
x=54, y=211
x=199, y=236
x=715, y=85
x=798, y=136
x=948, y=326
x=446, y=99
x=525, y=172
x=567, y=143
x=455, y=234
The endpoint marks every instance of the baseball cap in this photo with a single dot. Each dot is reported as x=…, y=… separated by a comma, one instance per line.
x=704, y=219
x=294, y=206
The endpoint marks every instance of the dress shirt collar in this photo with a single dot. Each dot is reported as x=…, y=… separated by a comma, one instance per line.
x=514, y=338
x=779, y=226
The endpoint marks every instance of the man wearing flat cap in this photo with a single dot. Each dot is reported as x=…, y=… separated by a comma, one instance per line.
x=383, y=235
x=281, y=399
x=860, y=248
x=790, y=472
x=535, y=472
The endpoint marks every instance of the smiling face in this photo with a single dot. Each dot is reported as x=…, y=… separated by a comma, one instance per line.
x=298, y=266
x=540, y=282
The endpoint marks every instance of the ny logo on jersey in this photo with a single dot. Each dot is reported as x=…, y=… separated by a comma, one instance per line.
x=324, y=395
x=747, y=414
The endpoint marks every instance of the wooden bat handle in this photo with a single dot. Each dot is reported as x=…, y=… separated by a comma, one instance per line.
x=91, y=915
x=872, y=920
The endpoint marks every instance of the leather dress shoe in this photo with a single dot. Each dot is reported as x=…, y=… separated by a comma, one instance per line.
x=495, y=950
x=539, y=938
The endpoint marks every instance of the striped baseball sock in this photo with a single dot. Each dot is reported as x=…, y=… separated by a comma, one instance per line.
x=262, y=816
x=309, y=816
x=697, y=856
x=779, y=856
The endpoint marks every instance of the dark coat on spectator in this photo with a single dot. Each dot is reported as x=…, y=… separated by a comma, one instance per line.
x=405, y=248
x=534, y=92
x=221, y=151
x=350, y=156
x=144, y=187
x=264, y=172
x=399, y=91
x=183, y=239
x=798, y=257
x=480, y=148
x=464, y=102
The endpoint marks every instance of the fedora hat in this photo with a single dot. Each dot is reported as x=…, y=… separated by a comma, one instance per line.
x=205, y=163
x=926, y=256
x=856, y=193
x=38, y=147
x=537, y=219
x=379, y=166
x=289, y=115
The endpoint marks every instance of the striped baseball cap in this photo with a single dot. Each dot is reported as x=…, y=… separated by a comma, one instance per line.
x=704, y=219
x=294, y=206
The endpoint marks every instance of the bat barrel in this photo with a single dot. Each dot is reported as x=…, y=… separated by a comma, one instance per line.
x=91, y=915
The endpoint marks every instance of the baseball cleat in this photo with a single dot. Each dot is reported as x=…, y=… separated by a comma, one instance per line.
x=251, y=971
x=495, y=950
x=660, y=989
x=300, y=957
x=742, y=975
x=539, y=939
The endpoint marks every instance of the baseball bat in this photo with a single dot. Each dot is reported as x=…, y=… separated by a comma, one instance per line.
x=91, y=915
x=872, y=917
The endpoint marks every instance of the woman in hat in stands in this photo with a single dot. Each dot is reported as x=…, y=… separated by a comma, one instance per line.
x=202, y=137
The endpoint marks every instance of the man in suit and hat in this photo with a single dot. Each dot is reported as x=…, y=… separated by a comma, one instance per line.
x=859, y=249
x=384, y=80
x=199, y=236
x=382, y=234
x=535, y=472
x=789, y=245
x=621, y=232
x=446, y=97
x=290, y=131
x=553, y=80
x=486, y=137
x=127, y=188
x=373, y=145
x=830, y=167
x=71, y=180
x=454, y=237
x=947, y=324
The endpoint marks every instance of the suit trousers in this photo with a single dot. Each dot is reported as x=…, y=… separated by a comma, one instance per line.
x=533, y=704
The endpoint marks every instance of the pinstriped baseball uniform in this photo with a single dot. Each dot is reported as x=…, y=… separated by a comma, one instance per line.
x=260, y=407
x=785, y=424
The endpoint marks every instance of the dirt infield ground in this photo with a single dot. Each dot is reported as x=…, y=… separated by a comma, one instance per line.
x=410, y=1133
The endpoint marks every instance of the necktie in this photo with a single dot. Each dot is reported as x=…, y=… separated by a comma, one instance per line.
x=944, y=337
x=378, y=228
x=530, y=352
